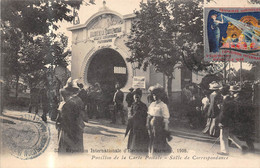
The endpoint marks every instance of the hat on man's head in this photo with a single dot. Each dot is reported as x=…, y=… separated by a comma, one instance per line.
x=151, y=88
x=72, y=85
x=138, y=92
x=79, y=83
x=117, y=86
x=235, y=88
x=131, y=89
x=214, y=85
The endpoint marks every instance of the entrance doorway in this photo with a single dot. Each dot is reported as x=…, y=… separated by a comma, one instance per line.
x=107, y=67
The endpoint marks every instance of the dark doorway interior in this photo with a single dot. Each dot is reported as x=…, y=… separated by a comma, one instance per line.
x=107, y=67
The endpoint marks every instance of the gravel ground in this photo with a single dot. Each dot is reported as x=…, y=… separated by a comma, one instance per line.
x=105, y=144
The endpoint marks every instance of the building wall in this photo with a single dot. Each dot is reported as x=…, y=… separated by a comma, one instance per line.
x=83, y=49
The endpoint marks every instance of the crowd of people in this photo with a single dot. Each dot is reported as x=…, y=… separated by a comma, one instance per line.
x=225, y=111
x=234, y=115
x=147, y=126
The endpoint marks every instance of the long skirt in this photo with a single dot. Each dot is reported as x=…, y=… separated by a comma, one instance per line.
x=158, y=143
x=138, y=140
x=67, y=144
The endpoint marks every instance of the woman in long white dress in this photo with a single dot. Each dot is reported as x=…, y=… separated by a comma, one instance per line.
x=157, y=123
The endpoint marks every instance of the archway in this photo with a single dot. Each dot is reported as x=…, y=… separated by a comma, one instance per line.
x=107, y=67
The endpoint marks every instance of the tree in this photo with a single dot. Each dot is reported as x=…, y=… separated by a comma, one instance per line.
x=10, y=39
x=38, y=16
x=161, y=30
x=35, y=56
x=21, y=21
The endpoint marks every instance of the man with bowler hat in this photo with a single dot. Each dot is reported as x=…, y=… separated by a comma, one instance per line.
x=118, y=104
x=129, y=99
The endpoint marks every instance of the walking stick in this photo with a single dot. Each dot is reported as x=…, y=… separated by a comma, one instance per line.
x=214, y=143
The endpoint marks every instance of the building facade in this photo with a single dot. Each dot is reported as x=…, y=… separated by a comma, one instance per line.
x=99, y=55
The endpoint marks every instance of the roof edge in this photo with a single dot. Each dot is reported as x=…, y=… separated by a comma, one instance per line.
x=107, y=11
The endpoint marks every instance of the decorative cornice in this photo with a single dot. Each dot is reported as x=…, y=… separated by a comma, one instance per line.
x=105, y=11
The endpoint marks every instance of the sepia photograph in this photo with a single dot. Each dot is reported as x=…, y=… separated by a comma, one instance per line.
x=130, y=83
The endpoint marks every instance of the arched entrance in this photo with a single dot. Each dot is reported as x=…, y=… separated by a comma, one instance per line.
x=107, y=67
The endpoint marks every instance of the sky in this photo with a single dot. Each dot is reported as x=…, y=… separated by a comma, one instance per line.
x=121, y=6
x=128, y=6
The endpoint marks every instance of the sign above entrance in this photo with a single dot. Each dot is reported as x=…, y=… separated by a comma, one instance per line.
x=139, y=82
x=105, y=29
x=120, y=70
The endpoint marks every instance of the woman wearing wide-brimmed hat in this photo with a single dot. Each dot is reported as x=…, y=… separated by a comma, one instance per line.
x=214, y=109
x=157, y=124
x=71, y=120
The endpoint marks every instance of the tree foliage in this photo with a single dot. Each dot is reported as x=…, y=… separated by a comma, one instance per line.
x=161, y=30
x=36, y=17
x=23, y=23
x=43, y=51
x=151, y=39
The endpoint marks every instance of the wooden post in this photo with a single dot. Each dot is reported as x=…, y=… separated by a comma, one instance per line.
x=225, y=70
x=241, y=73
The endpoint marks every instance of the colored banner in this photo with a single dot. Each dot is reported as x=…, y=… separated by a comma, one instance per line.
x=232, y=34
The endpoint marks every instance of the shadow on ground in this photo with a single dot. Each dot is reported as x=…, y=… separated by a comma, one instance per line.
x=102, y=127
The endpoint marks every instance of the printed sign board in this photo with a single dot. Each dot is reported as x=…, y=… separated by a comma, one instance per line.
x=138, y=82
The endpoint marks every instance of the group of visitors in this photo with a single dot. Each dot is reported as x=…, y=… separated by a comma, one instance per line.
x=147, y=126
x=228, y=109
x=230, y=114
x=45, y=98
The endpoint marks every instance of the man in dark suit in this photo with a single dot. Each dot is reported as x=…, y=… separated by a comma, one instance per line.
x=227, y=121
x=118, y=104
x=83, y=95
x=34, y=99
x=129, y=99
x=45, y=103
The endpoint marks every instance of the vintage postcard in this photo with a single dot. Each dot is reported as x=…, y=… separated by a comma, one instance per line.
x=132, y=83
